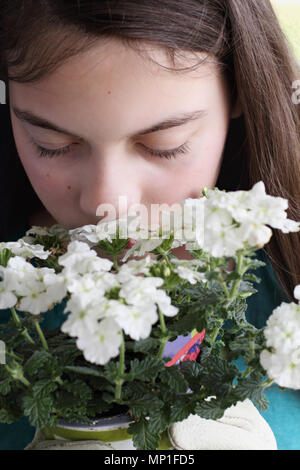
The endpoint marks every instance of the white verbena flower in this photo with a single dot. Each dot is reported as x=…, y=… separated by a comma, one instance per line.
x=185, y=270
x=102, y=344
x=139, y=290
x=56, y=230
x=134, y=267
x=81, y=259
x=36, y=288
x=126, y=227
x=25, y=250
x=282, y=333
x=137, y=320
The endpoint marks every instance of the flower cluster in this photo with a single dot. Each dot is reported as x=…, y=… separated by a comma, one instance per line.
x=31, y=289
x=221, y=223
x=240, y=219
x=282, y=358
x=96, y=319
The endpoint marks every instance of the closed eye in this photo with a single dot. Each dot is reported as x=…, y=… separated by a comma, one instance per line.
x=168, y=154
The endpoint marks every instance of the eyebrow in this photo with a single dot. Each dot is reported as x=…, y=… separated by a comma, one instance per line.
x=173, y=121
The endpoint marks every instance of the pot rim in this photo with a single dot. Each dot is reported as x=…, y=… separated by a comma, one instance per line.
x=116, y=420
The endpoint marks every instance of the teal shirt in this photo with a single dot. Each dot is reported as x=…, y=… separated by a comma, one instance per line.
x=283, y=413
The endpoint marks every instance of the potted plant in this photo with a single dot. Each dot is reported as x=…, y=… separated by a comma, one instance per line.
x=105, y=370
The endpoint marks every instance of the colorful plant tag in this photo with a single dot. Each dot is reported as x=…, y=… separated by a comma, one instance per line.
x=190, y=350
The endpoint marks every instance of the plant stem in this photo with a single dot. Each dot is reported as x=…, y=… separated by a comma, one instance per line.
x=119, y=382
x=16, y=317
x=41, y=334
x=24, y=381
x=116, y=266
x=19, y=326
x=164, y=330
x=236, y=284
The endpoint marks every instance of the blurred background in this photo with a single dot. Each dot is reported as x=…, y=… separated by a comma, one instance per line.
x=288, y=12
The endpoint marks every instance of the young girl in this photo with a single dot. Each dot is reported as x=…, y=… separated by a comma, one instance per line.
x=154, y=101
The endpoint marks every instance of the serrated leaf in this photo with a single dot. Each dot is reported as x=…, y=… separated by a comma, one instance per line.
x=78, y=388
x=143, y=438
x=38, y=410
x=251, y=387
x=146, y=345
x=158, y=421
x=37, y=361
x=174, y=379
x=111, y=371
x=212, y=409
x=145, y=369
x=145, y=405
x=5, y=386
x=43, y=388
x=181, y=409
x=8, y=415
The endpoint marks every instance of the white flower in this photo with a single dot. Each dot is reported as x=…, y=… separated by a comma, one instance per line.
x=282, y=333
x=102, y=344
x=56, y=230
x=92, y=234
x=142, y=246
x=139, y=290
x=134, y=267
x=7, y=298
x=25, y=250
x=37, y=288
x=80, y=259
x=185, y=270
x=297, y=292
x=137, y=320
x=164, y=303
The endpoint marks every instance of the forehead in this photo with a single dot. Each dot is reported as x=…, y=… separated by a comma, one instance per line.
x=122, y=84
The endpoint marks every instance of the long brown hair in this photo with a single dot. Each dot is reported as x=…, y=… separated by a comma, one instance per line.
x=37, y=36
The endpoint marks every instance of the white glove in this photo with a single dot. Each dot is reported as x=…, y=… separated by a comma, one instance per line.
x=241, y=428
x=41, y=443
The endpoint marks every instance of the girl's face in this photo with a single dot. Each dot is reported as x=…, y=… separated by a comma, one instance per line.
x=106, y=112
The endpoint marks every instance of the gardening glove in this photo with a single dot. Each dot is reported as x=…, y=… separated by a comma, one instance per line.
x=40, y=442
x=241, y=428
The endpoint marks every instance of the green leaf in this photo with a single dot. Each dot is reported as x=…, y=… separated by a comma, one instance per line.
x=145, y=369
x=111, y=371
x=251, y=387
x=5, y=386
x=146, y=345
x=217, y=375
x=181, y=408
x=159, y=420
x=78, y=388
x=174, y=379
x=43, y=388
x=38, y=410
x=143, y=436
x=8, y=415
x=145, y=405
x=37, y=361
x=212, y=409
x=84, y=370
x=192, y=373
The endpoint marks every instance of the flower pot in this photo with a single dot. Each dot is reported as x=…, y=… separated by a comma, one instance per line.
x=112, y=430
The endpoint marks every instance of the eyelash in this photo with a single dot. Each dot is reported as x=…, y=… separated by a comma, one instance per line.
x=168, y=154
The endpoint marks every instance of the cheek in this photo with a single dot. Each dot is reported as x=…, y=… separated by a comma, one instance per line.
x=201, y=169
x=46, y=181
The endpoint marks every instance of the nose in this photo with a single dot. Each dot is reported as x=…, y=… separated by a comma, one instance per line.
x=109, y=187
